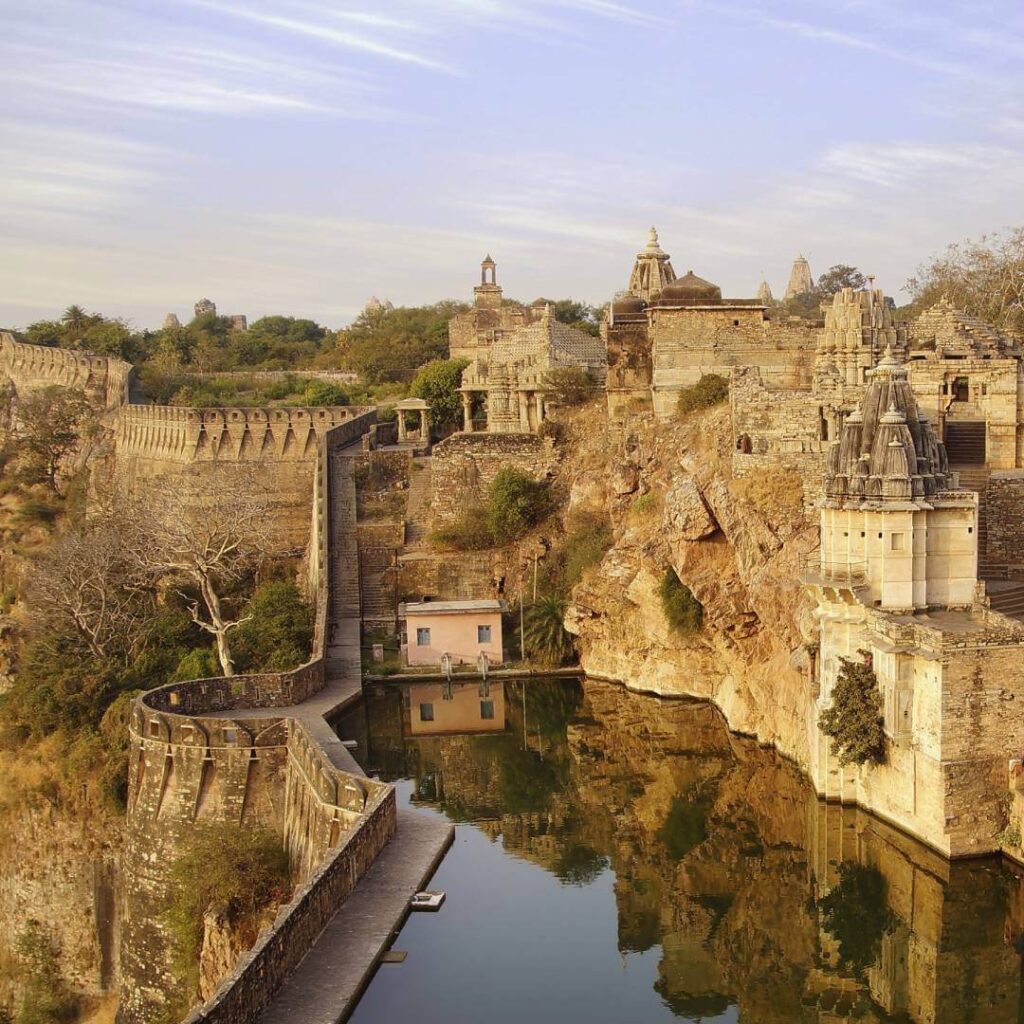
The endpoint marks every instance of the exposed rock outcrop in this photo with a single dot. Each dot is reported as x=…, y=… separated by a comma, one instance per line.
x=740, y=557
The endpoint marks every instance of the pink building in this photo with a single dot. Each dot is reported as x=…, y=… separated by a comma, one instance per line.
x=461, y=629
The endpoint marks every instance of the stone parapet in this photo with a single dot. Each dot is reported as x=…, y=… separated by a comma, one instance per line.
x=105, y=380
x=173, y=434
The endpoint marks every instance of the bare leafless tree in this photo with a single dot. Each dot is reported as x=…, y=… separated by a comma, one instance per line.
x=983, y=276
x=201, y=545
x=86, y=587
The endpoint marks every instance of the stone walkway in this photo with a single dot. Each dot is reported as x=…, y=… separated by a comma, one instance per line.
x=328, y=982
x=326, y=986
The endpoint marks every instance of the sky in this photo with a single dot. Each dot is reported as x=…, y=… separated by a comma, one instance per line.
x=299, y=156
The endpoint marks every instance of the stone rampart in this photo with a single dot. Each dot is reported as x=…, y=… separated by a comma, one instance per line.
x=106, y=381
x=464, y=465
x=270, y=452
x=179, y=435
x=207, y=751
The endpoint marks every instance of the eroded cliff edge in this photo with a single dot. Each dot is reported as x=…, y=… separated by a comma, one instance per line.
x=739, y=544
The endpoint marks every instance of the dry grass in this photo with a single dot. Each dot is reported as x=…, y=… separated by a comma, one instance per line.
x=771, y=491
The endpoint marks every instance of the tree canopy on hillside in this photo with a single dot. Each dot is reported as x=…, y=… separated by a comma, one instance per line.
x=392, y=344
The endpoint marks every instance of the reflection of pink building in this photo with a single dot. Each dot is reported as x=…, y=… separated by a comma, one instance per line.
x=442, y=708
x=461, y=629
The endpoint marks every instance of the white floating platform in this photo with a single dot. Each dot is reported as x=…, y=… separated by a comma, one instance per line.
x=427, y=901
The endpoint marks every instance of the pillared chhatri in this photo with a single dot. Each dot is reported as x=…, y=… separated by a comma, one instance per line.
x=908, y=437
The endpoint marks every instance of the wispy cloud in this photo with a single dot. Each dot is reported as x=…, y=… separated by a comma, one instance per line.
x=324, y=33
x=897, y=165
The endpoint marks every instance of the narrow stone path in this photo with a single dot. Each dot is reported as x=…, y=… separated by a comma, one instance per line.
x=326, y=986
x=328, y=982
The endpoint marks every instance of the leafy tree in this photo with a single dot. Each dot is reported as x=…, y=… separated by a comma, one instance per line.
x=577, y=314
x=45, y=332
x=712, y=389
x=229, y=868
x=50, y=425
x=545, y=638
x=391, y=344
x=683, y=612
x=853, y=721
x=856, y=914
x=841, y=276
x=569, y=385
x=438, y=383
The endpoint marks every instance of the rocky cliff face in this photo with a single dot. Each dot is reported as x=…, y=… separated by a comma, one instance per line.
x=738, y=544
x=61, y=868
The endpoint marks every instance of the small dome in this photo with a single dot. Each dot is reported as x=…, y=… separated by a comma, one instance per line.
x=539, y=303
x=690, y=290
x=628, y=305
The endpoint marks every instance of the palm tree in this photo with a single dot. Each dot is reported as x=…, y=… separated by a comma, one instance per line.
x=545, y=636
x=75, y=319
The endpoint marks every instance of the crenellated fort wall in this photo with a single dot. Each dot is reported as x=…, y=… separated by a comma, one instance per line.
x=213, y=750
x=106, y=381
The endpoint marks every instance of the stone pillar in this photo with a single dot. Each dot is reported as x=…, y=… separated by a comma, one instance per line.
x=401, y=426
x=467, y=411
x=524, y=412
x=538, y=397
x=425, y=426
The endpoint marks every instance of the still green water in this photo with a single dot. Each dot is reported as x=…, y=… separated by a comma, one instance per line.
x=622, y=858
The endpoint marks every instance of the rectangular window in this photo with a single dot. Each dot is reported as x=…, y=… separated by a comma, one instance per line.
x=483, y=634
x=422, y=637
x=899, y=542
x=426, y=712
x=487, y=709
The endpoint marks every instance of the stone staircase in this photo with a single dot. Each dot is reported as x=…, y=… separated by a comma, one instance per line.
x=417, y=509
x=1008, y=598
x=965, y=443
x=377, y=585
x=975, y=478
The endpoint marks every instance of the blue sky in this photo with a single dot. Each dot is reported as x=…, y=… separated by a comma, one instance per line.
x=298, y=156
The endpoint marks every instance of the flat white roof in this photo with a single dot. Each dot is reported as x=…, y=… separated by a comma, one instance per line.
x=451, y=607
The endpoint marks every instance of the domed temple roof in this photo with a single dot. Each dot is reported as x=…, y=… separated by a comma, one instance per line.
x=691, y=290
x=887, y=450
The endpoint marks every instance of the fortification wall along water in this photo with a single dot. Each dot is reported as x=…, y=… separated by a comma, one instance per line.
x=187, y=767
x=30, y=368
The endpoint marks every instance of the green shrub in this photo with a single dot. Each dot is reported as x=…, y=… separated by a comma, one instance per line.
x=683, y=612
x=279, y=634
x=46, y=998
x=438, y=383
x=37, y=511
x=644, y=505
x=711, y=389
x=588, y=537
x=223, y=867
x=322, y=392
x=516, y=502
x=853, y=721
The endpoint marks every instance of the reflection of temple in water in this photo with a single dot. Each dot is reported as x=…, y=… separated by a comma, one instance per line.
x=758, y=895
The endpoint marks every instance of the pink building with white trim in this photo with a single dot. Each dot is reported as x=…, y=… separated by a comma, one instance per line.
x=461, y=629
